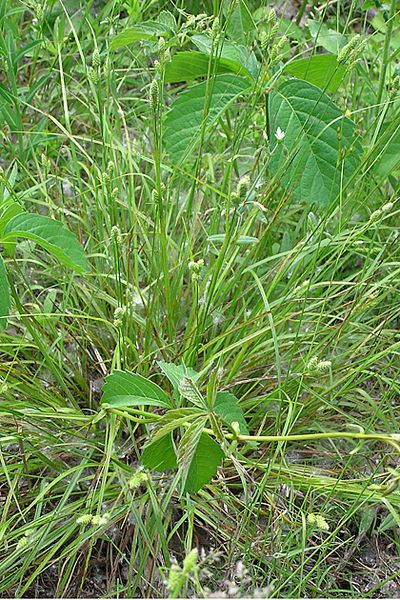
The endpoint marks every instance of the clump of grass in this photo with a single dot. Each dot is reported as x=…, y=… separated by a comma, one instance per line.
x=211, y=264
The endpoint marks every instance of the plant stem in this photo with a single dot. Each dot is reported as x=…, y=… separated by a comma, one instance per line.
x=386, y=50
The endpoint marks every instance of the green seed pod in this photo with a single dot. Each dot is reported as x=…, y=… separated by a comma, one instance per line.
x=264, y=40
x=107, y=68
x=39, y=11
x=84, y=519
x=93, y=75
x=137, y=480
x=162, y=45
x=348, y=49
x=215, y=29
x=243, y=188
x=375, y=216
x=116, y=235
x=154, y=94
x=96, y=61
x=323, y=366
x=190, y=562
x=274, y=30
x=271, y=17
x=119, y=315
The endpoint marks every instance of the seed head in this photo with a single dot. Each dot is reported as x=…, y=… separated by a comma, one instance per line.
x=24, y=541
x=215, y=29
x=84, y=519
x=116, y=235
x=190, y=562
x=323, y=366
x=375, y=216
x=104, y=519
x=347, y=50
x=137, y=480
x=161, y=45
x=318, y=520
x=264, y=40
x=243, y=188
x=154, y=94
x=119, y=316
x=96, y=60
x=387, y=207
x=93, y=75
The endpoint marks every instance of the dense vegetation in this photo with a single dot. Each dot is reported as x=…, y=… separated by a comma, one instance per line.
x=199, y=298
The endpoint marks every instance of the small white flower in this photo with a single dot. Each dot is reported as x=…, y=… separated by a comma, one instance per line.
x=279, y=134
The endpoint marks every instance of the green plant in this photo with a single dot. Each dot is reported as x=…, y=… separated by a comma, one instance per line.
x=212, y=407
x=47, y=233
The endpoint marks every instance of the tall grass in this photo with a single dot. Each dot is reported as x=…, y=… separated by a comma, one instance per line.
x=302, y=326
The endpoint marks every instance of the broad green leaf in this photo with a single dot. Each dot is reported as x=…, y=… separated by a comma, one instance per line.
x=187, y=447
x=160, y=454
x=167, y=18
x=183, y=122
x=175, y=373
x=51, y=235
x=148, y=31
x=227, y=406
x=379, y=38
x=291, y=30
x=186, y=66
x=379, y=23
x=123, y=388
x=240, y=24
x=329, y=39
x=322, y=70
x=306, y=161
x=229, y=51
x=4, y=295
x=387, y=150
x=205, y=462
x=10, y=210
x=367, y=518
